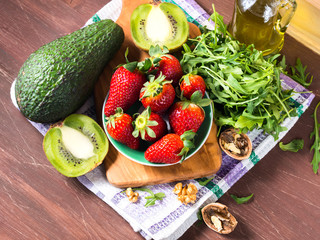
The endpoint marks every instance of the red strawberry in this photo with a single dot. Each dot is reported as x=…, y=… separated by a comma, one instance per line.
x=150, y=126
x=166, y=64
x=120, y=128
x=188, y=115
x=158, y=93
x=170, y=149
x=192, y=83
x=124, y=90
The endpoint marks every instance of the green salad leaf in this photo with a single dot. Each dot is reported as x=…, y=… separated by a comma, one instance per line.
x=241, y=200
x=316, y=143
x=205, y=182
x=199, y=215
x=244, y=86
x=294, y=146
x=298, y=74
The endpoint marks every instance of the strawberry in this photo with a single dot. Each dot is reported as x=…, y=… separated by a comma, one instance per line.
x=166, y=64
x=188, y=115
x=120, y=128
x=170, y=149
x=125, y=86
x=158, y=93
x=149, y=126
x=191, y=83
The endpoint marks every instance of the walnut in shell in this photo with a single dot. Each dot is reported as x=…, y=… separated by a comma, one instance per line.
x=236, y=145
x=218, y=218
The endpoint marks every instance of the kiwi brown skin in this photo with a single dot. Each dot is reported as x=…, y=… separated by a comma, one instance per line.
x=176, y=17
x=62, y=159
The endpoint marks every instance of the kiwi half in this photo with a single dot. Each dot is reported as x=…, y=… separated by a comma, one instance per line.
x=163, y=24
x=75, y=146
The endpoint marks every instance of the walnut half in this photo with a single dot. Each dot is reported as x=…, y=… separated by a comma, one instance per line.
x=218, y=218
x=236, y=145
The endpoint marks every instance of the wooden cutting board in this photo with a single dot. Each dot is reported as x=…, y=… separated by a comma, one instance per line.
x=123, y=172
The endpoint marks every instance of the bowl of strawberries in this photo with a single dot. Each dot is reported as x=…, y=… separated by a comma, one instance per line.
x=156, y=115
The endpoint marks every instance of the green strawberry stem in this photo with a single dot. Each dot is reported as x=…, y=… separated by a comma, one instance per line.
x=186, y=77
x=131, y=66
x=187, y=137
x=118, y=113
x=143, y=66
x=197, y=99
x=154, y=86
x=157, y=52
x=143, y=124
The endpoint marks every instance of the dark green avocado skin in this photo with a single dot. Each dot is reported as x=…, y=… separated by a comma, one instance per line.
x=60, y=76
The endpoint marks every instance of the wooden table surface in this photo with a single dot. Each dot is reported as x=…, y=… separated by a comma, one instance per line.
x=36, y=202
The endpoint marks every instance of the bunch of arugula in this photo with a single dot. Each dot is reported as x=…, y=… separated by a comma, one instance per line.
x=244, y=86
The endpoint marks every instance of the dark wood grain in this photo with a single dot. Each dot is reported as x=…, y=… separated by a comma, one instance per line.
x=36, y=202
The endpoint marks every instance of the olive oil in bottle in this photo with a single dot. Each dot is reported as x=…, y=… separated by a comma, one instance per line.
x=259, y=22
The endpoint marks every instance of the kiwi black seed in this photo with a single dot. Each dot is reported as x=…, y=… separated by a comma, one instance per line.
x=169, y=26
x=62, y=143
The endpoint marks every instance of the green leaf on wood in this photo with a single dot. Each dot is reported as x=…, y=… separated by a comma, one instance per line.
x=294, y=146
x=316, y=143
x=241, y=200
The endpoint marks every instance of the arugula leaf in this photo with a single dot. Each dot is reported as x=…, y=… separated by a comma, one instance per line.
x=205, y=182
x=160, y=195
x=316, y=144
x=283, y=64
x=241, y=200
x=217, y=18
x=294, y=146
x=151, y=200
x=298, y=74
x=144, y=190
x=153, y=197
x=199, y=215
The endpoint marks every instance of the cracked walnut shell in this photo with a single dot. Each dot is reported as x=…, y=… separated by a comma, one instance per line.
x=236, y=145
x=218, y=218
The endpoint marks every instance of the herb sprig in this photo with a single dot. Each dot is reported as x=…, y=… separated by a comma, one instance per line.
x=298, y=73
x=152, y=198
x=316, y=144
x=244, y=86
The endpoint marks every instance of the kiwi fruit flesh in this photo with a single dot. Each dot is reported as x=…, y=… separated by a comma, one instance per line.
x=76, y=145
x=163, y=24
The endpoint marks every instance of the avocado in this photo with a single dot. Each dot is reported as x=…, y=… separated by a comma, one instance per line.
x=60, y=76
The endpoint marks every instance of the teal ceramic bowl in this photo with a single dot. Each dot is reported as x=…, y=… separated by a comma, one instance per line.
x=138, y=155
